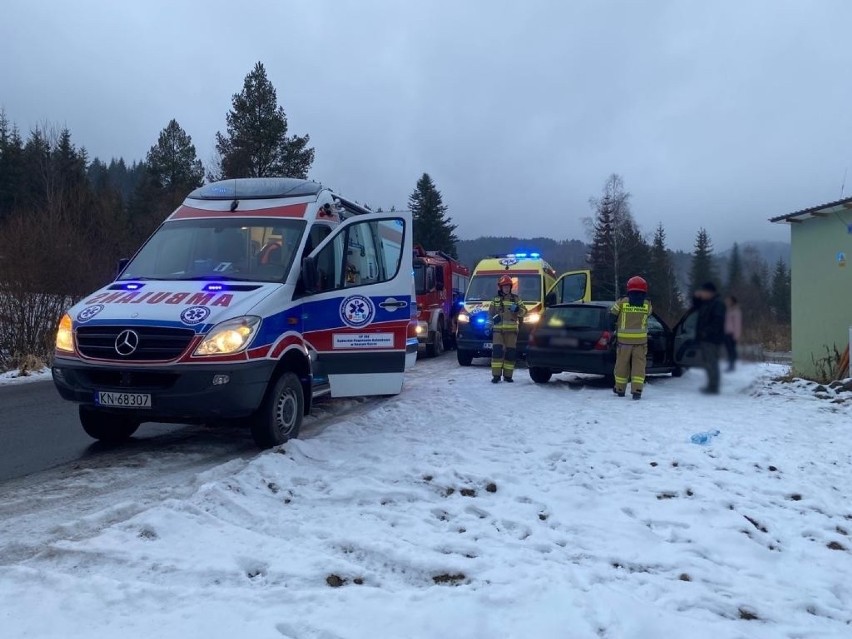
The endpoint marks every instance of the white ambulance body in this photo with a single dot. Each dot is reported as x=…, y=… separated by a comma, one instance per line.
x=254, y=297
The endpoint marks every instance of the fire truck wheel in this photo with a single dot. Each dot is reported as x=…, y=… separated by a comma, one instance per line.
x=465, y=357
x=106, y=427
x=437, y=346
x=280, y=415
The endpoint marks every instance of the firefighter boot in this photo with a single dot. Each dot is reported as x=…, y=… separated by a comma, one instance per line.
x=495, y=379
x=637, y=394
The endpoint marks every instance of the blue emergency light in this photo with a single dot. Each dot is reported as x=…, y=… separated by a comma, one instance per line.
x=213, y=287
x=132, y=286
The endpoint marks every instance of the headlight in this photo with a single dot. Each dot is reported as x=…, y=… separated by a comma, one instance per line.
x=532, y=318
x=65, y=335
x=229, y=337
x=463, y=318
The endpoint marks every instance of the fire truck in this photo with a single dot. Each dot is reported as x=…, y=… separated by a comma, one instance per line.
x=440, y=282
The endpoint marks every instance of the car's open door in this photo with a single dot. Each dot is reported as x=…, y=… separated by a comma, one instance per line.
x=357, y=307
x=573, y=286
x=687, y=351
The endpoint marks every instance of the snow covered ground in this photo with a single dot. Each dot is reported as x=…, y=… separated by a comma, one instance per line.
x=465, y=509
x=15, y=377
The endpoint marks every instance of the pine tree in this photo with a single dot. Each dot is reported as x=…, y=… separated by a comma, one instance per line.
x=702, y=261
x=662, y=280
x=618, y=249
x=256, y=144
x=11, y=166
x=735, y=271
x=780, y=296
x=171, y=170
x=433, y=230
x=172, y=164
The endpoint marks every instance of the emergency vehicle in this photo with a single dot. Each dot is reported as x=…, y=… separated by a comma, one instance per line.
x=533, y=280
x=252, y=299
x=440, y=282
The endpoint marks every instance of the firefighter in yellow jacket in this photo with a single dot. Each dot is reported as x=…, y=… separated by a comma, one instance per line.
x=507, y=310
x=632, y=315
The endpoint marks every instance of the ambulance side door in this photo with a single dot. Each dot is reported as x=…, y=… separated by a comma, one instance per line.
x=357, y=305
x=573, y=286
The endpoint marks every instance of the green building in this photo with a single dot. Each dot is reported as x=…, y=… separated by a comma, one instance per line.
x=821, y=277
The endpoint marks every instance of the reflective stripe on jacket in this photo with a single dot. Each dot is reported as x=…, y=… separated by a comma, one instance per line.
x=504, y=318
x=632, y=323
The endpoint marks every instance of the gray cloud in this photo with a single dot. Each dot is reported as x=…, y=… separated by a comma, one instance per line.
x=716, y=114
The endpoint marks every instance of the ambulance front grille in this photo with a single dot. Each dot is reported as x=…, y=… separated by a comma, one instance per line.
x=153, y=344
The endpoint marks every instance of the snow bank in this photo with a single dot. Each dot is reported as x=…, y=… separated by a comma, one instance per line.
x=15, y=377
x=466, y=509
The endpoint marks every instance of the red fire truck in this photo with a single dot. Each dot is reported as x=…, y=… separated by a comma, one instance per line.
x=440, y=282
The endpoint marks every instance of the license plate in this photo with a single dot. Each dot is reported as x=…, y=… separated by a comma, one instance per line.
x=565, y=341
x=123, y=400
x=487, y=346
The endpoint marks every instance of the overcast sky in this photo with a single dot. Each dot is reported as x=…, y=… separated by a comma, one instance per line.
x=716, y=114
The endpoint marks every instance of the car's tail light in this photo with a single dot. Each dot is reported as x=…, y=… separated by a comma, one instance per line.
x=603, y=343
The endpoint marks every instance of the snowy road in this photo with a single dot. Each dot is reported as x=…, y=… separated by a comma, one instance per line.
x=459, y=509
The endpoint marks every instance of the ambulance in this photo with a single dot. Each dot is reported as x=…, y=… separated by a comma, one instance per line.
x=255, y=297
x=533, y=280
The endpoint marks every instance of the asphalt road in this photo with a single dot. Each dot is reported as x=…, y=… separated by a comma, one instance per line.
x=39, y=430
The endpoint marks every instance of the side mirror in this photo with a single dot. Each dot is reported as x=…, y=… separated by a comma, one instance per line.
x=310, y=276
x=122, y=264
x=439, y=285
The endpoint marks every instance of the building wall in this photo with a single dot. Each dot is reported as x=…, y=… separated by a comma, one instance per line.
x=821, y=290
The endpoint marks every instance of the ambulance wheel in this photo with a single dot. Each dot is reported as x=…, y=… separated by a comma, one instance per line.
x=465, y=357
x=106, y=427
x=280, y=416
x=540, y=375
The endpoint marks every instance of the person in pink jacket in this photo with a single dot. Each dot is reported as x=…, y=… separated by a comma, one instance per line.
x=733, y=329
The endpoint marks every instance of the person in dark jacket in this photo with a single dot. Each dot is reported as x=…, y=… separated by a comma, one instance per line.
x=710, y=332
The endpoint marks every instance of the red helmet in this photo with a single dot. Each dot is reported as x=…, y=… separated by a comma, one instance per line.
x=637, y=283
x=504, y=280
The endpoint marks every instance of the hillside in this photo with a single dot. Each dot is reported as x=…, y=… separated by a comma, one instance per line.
x=568, y=255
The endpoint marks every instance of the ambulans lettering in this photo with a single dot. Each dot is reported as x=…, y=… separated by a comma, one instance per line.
x=154, y=297
x=223, y=300
x=200, y=299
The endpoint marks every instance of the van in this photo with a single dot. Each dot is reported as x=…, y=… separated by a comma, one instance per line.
x=533, y=280
x=255, y=297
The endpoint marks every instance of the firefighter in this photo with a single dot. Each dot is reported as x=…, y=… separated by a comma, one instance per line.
x=507, y=310
x=632, y=315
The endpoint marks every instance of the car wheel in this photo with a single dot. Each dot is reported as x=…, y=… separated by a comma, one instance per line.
x=465, y=357
x=106, y=427
x=280, y=416
x=540, y=375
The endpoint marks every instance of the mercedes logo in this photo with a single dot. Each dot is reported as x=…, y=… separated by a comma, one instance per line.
x=126, y=343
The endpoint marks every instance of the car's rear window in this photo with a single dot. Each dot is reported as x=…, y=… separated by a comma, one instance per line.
x=576, y=317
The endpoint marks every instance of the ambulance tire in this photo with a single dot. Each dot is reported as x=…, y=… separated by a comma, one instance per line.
x=280, y=416
x=106, y=427
x=540, y=375
x=465, y=357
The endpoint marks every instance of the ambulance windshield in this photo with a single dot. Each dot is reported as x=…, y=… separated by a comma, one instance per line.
x=256, y=250
x=483, y=288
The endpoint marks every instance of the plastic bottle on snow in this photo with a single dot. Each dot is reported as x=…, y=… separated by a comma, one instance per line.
x=704, y=438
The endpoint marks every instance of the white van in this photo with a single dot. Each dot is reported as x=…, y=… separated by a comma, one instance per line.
x=253, y=298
